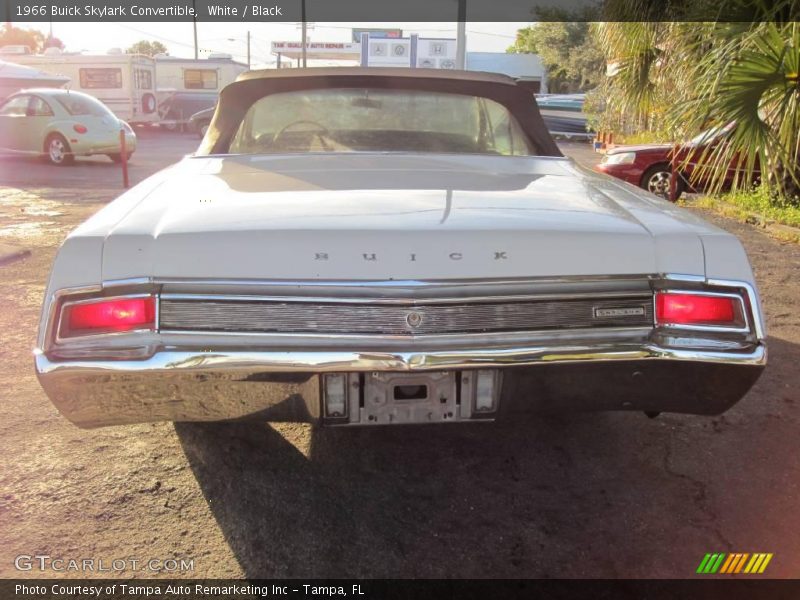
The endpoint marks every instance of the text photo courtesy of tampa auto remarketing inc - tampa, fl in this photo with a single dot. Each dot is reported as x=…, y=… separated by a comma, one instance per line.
x=455, y=298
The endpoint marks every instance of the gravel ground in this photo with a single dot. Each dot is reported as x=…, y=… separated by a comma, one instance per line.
x=597, y=495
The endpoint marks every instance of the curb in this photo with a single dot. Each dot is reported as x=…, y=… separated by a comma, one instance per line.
x=779, y=229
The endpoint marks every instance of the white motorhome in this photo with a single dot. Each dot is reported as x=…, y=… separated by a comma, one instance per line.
x=197, y=76
x=185, y=86
x=123, y=82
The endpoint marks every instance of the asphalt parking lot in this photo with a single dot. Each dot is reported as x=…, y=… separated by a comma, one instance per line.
x=591, y=495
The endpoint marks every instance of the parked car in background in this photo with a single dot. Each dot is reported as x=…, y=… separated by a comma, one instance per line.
x=563, y=115
x=60, y=125
x=123, y=82
x=200, y=121
x=382, y=246
x=177, y=108
x=648, y=166
x=186, y=86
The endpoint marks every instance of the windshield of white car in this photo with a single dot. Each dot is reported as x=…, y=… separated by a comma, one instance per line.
x=378, y=120
x=77, y=105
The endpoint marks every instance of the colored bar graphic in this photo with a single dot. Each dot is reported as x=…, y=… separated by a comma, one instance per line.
x=740, y=564
x=710, y=564
x=734, y=563
x=703, y=563
x=764, y=564
x=715, y=568
x=715, y=562
x=754, y=561
x=728, y=563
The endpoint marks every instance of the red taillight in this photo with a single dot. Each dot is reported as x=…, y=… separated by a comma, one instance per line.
x=109, y=316
x=698, y=309
x=80, y=128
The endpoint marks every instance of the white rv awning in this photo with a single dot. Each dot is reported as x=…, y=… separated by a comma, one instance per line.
x=14, y=77
x=34, y=76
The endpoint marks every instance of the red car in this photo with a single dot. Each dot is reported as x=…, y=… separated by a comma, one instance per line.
x=648, y=166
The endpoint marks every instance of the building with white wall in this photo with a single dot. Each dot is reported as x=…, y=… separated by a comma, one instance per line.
x=526, y=67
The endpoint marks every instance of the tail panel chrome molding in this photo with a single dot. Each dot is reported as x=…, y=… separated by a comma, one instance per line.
x=209, y=376
x=410, y=293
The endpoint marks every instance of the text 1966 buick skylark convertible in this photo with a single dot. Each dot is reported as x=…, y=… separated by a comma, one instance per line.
x=386, y=246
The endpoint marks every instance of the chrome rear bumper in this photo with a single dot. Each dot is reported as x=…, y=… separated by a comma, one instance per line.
x=204, y=385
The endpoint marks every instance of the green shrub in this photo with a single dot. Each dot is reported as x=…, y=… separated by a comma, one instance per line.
x=759, y=201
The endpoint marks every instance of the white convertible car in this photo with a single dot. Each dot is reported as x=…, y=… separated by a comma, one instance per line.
x=386, y=246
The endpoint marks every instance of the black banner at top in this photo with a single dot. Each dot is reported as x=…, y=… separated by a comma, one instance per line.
x=397, y=10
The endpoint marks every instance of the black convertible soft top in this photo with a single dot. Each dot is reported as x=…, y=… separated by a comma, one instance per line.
x=236, y=98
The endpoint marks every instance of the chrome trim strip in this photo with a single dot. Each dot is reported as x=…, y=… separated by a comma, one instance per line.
x=412, y=287
x=471, y=339
x=753, y=301
x=355, y=361
x=112, y=283
x=157, y=314
x=400, y=283
x=405, y=301
x=46, y=334
x=680, y=277
x=417, y=283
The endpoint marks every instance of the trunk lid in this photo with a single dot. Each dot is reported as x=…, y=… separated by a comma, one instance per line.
x=384, y=217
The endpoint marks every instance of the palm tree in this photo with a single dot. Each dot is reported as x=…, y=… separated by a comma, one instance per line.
x=751, y=78
x=693, y=75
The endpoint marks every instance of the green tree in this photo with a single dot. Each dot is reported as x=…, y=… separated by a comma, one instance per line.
x=148, y=48
x=570, y=53
x=14, y=36
x=53, y=42
x=751, y=76
x=685, y=77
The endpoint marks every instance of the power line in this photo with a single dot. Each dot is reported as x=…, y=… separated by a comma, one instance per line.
x=166, y=39
x=501, y=35
x=153, y=35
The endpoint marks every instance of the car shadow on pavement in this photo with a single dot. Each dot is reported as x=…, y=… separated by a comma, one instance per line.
x=525, y=498
x=473, y=500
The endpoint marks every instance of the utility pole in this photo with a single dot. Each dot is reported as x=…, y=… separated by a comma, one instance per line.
x=304, y=31
x=248, y=48
x=461, y=36
x=194, y=25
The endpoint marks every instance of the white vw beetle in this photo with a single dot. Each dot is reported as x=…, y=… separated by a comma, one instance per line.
x=385, y=246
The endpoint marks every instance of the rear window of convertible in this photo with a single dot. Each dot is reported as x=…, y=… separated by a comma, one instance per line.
x=378, y=120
